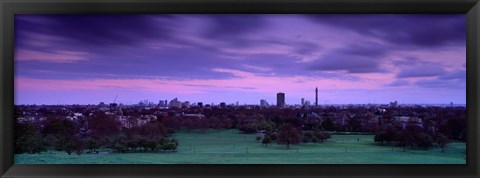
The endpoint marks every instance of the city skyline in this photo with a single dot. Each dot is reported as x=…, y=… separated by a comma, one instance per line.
x=352, y=59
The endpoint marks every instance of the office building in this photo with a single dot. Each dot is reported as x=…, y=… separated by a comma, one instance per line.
x=263, y=103
x=280, y=100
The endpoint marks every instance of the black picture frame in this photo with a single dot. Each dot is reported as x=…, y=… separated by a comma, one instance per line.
x=8, y=8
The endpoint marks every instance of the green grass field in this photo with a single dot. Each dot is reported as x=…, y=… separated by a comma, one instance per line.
x=231, y=147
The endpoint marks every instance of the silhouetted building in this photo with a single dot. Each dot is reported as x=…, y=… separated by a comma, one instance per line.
x=223, y=105
x=186, y=104
x=394, y=104
x=113, y=105
x=200, y=104
x=316, y=96
x=281, y=100
x=175, y=103
x=263, y=103
x=303, y=101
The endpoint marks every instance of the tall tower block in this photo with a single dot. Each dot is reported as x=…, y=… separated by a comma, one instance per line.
x=280, y=100
x=316, y=96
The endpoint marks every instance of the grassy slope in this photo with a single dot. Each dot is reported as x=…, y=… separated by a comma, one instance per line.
x=230, y=147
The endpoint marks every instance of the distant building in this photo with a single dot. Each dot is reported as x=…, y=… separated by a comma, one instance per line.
x=303, y=101
x=162, y=103
x=186, y=104
x=281, y=100
x=394, y=104
x=405, y=120
x=316, y=96
x=175, y=103
x=223, y=105
x=113, y=105
x=263, y=103
x=200, y=104
x=199, y=116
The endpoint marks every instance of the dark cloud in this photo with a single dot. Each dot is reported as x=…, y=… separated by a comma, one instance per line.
x=366, y=49
x=300, y=47
x=365, y=58
x=403, y=30
x=407, y=62
x=237, y=87
x=456, y=74
x=399, y=83
x=278, y=64
x=425, y=70
x=96, y=30
x=233, y=29
x=306, y=48
x=434, y=83
x=193, y=85
x=348, y=63
x=174, y=63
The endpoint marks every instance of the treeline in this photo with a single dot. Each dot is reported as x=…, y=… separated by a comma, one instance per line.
x=438, y=127
x=287, y=134
x=91, y=133
x=140, y=129
x=411, y=136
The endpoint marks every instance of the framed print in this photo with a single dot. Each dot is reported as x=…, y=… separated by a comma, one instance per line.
x=187, y=88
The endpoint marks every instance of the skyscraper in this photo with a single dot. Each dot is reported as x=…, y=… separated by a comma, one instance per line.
x=281, y=100
x=303, y=101
x=316, y=96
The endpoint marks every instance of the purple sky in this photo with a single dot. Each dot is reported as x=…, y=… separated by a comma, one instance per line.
x=352, y=59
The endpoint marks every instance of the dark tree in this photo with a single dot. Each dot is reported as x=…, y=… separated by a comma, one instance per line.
x=51, y=140
x=189, y=124
x=328, y=124
x=307, y=137
x=120, y=143
x=288, y=134
x=322, y=135
x=441, y=141
x=103, y=127
x=266, y=140
x=91, y=143
x=152, y=144
x=380, y=138
x=403, y=138
x=63, y=129
x=424, y=140
x=28, y=139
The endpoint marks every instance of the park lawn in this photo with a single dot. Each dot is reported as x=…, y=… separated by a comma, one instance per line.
x=232, y=147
